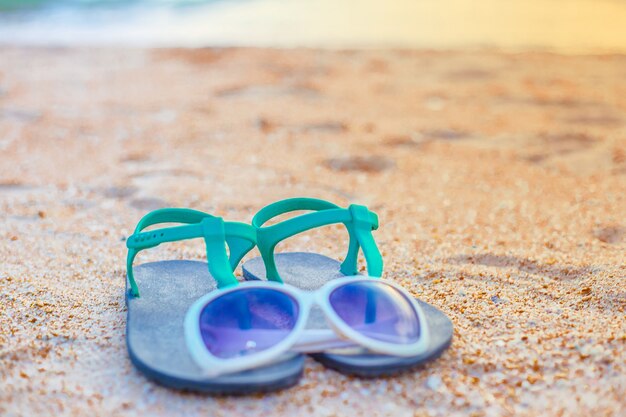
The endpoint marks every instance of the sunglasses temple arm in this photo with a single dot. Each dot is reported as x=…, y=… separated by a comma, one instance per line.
x=318, y=340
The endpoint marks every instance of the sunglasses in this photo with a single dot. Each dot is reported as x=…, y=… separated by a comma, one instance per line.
x=254, y=323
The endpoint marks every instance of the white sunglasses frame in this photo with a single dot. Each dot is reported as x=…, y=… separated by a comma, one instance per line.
x=299, y=340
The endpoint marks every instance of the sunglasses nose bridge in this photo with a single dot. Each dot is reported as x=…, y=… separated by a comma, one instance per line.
x=320, y=299
x=308, y=303
x=316, y=299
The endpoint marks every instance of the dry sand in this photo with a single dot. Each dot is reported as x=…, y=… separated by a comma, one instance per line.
x=500, y=181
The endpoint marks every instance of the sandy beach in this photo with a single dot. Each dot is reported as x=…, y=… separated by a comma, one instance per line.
x=499, y=179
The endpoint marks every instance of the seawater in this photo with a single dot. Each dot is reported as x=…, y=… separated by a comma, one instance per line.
x=569, y=26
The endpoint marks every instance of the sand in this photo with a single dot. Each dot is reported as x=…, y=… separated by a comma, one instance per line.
x=500, y=181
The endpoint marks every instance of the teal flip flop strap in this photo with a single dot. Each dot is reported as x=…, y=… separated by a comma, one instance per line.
x=359, y=222
x=239, y=237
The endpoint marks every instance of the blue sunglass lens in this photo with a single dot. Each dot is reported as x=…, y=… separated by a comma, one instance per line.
x=246, y=321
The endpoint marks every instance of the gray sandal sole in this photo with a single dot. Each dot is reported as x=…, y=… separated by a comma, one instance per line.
x=155, y=334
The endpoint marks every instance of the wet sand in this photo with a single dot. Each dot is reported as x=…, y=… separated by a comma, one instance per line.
x=499, y=179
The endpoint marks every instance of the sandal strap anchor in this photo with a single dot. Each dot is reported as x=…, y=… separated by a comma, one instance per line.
x=217, y=233
x=359, y=222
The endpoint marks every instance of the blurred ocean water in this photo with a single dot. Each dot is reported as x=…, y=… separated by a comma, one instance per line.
x=16, y=5
x=569, y=26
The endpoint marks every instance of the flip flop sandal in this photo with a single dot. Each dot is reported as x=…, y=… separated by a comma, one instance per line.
x=310, y=271
x=155, y=333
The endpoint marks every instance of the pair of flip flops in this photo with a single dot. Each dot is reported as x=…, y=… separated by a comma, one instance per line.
x=160, y=294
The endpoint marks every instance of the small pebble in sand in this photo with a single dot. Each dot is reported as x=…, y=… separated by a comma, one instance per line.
x=434, y=382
